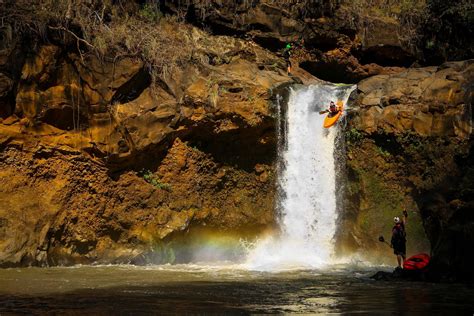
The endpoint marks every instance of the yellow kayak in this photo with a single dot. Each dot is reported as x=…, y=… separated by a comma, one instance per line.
x=331, y=119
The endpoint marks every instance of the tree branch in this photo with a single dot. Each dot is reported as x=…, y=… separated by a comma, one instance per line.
x=73, y=34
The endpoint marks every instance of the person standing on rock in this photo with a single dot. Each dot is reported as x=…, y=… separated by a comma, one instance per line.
x=399, y=241
x=286, y=55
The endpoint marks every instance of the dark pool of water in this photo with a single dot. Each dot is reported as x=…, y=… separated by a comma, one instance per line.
x=211, y=290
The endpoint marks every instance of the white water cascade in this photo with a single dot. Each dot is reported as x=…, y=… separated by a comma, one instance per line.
x=307, y=185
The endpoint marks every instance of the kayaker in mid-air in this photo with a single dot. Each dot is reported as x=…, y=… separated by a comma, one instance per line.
x=333, y=110
x=399, y=241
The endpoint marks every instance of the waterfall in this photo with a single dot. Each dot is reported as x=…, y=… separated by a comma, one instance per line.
x=306, y=205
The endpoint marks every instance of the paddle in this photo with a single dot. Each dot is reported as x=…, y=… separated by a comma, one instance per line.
x=322, y=112
x=381, y=239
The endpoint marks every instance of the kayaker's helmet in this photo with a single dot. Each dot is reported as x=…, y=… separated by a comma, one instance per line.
x=288, y=46
x=396, y=219
x=332, y=104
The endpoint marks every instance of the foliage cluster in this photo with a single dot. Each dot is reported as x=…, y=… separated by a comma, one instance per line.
x=354, y=136
x=446, y=32
x=412, y=143
x=382, y=152
x=154, y=180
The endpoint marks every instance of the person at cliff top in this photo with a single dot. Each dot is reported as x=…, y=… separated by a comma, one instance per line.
x=399, y=241
x=287, y=55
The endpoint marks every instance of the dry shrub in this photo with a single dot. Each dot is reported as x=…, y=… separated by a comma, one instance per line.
x=110, y=30
x=384, y=8
x=306, y=8
x=162, y=45
x=408, y=13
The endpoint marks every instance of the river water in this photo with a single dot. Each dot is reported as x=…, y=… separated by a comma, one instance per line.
x=200, y=289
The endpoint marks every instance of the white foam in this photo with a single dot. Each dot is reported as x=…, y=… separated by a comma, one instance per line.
x=307, y=186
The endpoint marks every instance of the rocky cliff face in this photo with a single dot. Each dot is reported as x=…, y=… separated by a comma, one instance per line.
x=410, y=146
x=100, y=164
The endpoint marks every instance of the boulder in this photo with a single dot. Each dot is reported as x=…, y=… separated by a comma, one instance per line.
x=370, y=119
x=423, y=101
x=422, y=123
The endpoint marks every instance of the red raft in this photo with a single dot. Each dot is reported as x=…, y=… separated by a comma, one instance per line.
x=417, y=262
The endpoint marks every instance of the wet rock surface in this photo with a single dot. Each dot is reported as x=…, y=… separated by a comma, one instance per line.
x=401, y=275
